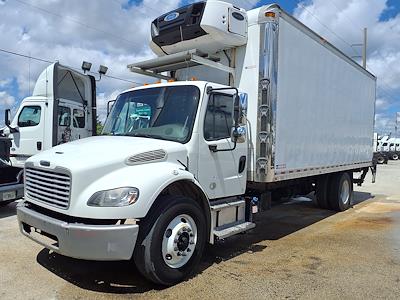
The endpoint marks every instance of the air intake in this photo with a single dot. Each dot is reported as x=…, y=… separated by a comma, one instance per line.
x=147, y=157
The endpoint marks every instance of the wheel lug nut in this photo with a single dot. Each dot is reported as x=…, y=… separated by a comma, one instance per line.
x=189, y=230
x=168, y=256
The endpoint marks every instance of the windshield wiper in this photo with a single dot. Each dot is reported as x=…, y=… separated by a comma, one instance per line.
x=146, y=135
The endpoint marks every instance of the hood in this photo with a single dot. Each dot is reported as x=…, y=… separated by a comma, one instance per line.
x=108, y=152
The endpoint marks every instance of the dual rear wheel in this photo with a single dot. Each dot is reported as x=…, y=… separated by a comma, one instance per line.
x=335, y=191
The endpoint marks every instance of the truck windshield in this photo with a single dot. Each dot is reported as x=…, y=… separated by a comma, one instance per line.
x=166, y=113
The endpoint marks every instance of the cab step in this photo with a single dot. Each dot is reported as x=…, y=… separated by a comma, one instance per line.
x=229, y=231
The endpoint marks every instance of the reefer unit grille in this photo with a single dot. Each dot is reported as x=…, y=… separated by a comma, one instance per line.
x=49, y=187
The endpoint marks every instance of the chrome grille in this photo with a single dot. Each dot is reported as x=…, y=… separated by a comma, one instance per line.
x=50, y=187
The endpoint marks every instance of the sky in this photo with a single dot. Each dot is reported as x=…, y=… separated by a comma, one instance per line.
x=116, y=32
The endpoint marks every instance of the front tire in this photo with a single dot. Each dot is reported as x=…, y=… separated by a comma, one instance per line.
x=395, y=156
x=341, y=191
x=171, y=240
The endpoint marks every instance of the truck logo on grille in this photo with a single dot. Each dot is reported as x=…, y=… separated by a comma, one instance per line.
x=45, y=163
x=171, y=17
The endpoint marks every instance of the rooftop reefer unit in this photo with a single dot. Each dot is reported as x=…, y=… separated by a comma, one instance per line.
x=206, y=26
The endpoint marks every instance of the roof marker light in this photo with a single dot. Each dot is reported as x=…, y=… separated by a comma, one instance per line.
x=269, y=14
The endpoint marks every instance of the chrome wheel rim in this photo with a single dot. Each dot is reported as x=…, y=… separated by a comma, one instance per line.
x=345, y=192
x=179, y=241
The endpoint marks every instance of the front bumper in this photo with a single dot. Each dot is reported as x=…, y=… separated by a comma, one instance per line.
x=10, y=192
x=91, y=242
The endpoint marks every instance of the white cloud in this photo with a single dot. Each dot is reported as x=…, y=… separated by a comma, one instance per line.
x=5, y=82
x=111, y=33
x=385, y=124
x=381, y=104
x=6, y=100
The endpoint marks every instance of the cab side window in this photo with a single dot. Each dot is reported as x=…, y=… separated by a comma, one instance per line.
x=29, y=116
x=218, y=121
x=78, y=118
x=64, y=116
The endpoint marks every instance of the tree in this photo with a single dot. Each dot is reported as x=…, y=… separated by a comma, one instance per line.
x=99, y=126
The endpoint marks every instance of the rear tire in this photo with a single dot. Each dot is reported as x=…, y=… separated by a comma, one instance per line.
x=340, y=191
x=171, y=240
x=380, y=160
x=322, y=191
x=395, y=156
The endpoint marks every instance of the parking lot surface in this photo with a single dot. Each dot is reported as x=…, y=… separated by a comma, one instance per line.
x=296, y=251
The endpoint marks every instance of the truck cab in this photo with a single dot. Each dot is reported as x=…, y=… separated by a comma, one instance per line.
x=62, y=108
x=59, y=111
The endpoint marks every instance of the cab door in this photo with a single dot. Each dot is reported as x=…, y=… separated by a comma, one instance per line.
x=73, y=122
x=80, y=122
x=221, y=166
x=29, y=138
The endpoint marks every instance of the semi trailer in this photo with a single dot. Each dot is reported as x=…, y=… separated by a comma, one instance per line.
x=253, y=105
x=62, y=108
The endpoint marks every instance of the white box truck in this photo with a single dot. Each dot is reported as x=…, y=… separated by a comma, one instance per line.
x=62, y=108
x=253, y=104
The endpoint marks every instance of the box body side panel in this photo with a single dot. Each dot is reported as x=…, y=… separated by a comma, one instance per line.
x=325, y=106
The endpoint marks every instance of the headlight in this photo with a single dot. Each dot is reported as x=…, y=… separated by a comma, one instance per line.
x=114, y=198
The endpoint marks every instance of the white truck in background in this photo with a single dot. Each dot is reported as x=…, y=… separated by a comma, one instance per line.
x=389, y=147
x=255, y=105
x=62, y=108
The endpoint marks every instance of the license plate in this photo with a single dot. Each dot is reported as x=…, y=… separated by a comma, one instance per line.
x=9, y=195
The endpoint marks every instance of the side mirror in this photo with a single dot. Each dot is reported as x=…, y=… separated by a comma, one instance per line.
x=236, y=110
x=109, y=106
x=238, y=134
x=7, y=117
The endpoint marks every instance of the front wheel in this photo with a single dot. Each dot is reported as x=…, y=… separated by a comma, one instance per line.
x=395, y=156
x=171, y=240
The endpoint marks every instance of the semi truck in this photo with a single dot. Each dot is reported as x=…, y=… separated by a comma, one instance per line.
x=389, y=147
x=252, y=105
x=62, y=108
x=379, y=157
